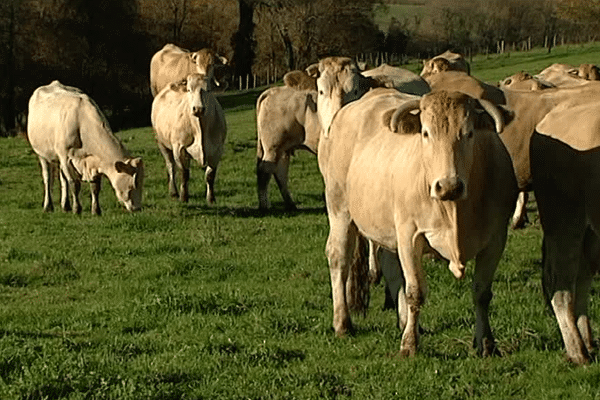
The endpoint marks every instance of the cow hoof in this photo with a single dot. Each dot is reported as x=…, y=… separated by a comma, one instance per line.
x=49, y=209
x=408, y=352
x=488, y=348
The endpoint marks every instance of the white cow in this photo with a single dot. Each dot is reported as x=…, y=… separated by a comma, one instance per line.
x=440, y=179
x=189, y=121
x=65, y=126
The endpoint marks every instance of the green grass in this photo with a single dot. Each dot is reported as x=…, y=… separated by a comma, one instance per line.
x=191, y=301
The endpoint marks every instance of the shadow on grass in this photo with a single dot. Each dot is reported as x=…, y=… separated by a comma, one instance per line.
x=252, y=212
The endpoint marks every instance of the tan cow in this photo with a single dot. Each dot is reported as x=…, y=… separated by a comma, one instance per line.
x=66, y=127
x=172, y=63
x=528, y=108
x=524, y=81
x=564, y=75
x=400, y=79
x=189, y=121
x=447, y=61
x=286, y=120
x=440, y=179
x=565, y=165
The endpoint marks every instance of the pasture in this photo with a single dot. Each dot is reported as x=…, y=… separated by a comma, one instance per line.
x=192, y=302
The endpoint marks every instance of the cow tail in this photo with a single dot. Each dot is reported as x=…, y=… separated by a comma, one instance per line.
x=357, y=285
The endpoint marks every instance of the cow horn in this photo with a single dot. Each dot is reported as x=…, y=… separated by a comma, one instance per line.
x=496, y=114
x=402, y=111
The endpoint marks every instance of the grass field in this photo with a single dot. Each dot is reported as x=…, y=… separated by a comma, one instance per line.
x=197, y=302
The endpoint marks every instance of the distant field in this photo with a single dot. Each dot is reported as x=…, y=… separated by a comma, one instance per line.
x=385, y=13
x=187, y=301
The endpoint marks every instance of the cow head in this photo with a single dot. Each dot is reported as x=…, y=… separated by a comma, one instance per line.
x=128, y=182
x=589, y=72
x=449, y=124
x=197, y=86
x=206, y=61
x=338, y=83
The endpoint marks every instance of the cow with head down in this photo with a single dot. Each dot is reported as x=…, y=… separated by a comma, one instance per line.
x=66, y=127
x=440, y=179
x=189, y=122
x=172, y=64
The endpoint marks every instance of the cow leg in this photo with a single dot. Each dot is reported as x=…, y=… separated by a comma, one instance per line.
x=339, y=250
x=183, y=163
x=65, y=202
x=262, y=183
x=171, y=173
x=281, y=177
x=47, y=177
x=519, y=219
x=210, y=176
x=395, y=286
x=486, y=263
x=410, y=251
x=95, y=189
x=70, y=182
x=562, y=267
x=583, y=287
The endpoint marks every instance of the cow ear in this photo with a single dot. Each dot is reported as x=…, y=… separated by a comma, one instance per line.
x=123, y=167
x=313, y=70
x=404, y=120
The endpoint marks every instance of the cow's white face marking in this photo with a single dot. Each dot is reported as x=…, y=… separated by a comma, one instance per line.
x=197, y=86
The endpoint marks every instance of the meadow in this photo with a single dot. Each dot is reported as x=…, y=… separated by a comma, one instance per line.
x=189, y=301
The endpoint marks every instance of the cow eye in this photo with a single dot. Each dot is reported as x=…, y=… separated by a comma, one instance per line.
x=321, y=92
x=469, y=134
x=425, y=134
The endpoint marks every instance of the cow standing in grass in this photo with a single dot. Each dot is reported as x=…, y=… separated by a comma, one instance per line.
x=66, y=127
x=441, y=179
x=189, y=122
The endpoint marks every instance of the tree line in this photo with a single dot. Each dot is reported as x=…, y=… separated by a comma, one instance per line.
x=104, y=46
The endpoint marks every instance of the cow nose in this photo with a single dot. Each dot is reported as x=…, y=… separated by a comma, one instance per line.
x=449, y=189
x=197, y=110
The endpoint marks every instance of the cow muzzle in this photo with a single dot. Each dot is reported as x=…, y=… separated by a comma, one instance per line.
x=448, y=189
x=197, y=111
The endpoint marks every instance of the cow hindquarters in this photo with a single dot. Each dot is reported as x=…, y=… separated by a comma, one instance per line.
x=486, y=263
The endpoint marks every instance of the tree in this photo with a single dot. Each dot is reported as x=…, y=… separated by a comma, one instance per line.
x=243, y=40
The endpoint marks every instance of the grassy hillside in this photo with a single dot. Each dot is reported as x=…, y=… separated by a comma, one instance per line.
x=193, y=302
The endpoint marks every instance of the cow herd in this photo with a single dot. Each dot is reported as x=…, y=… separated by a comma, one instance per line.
x=411, y=164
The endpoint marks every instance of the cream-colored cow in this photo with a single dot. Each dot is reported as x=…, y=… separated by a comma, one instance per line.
x=447, y=61
x=189, y=121
x=440, y=179
x=67, y=128
x=172, y=64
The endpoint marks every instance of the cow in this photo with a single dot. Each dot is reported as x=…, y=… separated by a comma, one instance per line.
x=286, y=120
x=66, y=127
x=564, y=75
x=440, y=179
x=447, y=61
x=527, y=108
x=287, y=117
x=523, y=81
x=189, y=121
x=172, y=64
x=565, y=160
x=398, y=78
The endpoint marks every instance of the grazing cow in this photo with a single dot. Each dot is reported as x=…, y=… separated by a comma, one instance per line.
x=524, y=81
x=189, y=121
x=565, y=165
x=447, y=61
x=66, y=127
x=286, y=120
x=440, y=179
x=172, y=63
